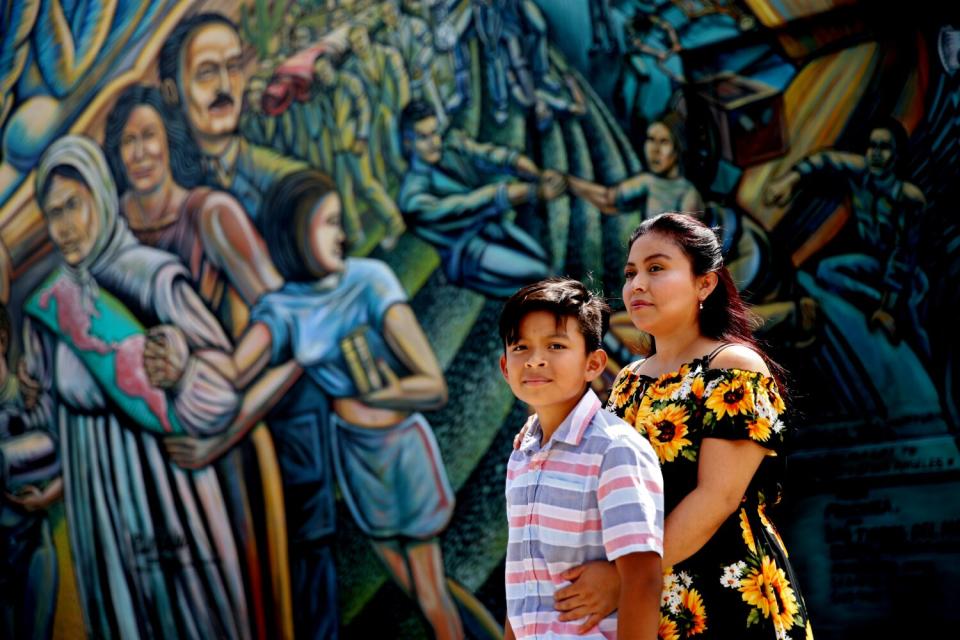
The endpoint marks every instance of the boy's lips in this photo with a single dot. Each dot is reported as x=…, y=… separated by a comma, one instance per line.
x=536, y=381
x=640, y=304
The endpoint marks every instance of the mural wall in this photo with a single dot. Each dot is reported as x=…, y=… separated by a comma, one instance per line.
x=252, y=256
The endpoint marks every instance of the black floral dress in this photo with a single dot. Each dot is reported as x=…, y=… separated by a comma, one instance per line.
x=740, y=584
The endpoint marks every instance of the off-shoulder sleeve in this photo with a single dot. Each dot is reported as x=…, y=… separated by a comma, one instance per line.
x=744, y=405
x=624, y=387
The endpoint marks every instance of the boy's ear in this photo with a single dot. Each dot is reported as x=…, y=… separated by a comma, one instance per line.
x=596, y=363
x=503, y=366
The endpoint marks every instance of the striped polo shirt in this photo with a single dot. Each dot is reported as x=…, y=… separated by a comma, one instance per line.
x=593, y=492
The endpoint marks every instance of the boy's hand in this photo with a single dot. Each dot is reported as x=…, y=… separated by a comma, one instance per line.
x=593, y=595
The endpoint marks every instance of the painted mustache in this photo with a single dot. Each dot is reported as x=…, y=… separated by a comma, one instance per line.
x=222, y=100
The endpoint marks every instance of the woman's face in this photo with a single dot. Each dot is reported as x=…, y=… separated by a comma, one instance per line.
x=661, y=152
x=325, y=237
x=72, y=220
x=144, y=150
x=660, y=290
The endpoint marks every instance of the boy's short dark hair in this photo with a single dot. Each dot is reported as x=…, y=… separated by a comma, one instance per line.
x=563, y=297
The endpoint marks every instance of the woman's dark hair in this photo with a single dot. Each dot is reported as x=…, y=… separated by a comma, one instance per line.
x=64, y=171
x=725, y=316
x=563, y=297
x=183, y=152
x=283, y=225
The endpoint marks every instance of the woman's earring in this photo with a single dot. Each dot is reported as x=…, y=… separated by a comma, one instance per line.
x=701, y=305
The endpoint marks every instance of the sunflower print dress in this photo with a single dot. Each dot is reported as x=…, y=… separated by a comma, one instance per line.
x=740, y=584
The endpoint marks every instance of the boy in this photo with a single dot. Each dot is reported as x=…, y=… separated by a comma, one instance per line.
x=583, y=484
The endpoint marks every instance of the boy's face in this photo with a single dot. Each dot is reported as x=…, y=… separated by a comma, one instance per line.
x=548, y=366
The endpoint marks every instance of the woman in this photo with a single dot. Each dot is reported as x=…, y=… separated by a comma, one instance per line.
x=230, y=268
x=152, y=548
x=165, y=208
x=710, y=406
x=355, y=415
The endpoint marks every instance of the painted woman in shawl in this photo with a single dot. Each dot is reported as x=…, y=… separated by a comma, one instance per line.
x=153, y=552
x=347, y=323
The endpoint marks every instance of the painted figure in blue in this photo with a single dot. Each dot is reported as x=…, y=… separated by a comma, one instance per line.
x=29, y=484
x=460, y=195
x=449, y=20
x=412, y=37
x=883, y=277
x=367, y=370
x=514, y=38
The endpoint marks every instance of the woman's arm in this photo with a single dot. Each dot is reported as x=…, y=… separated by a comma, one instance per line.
x=641, y=580
x=724, y=473
x=425, y=387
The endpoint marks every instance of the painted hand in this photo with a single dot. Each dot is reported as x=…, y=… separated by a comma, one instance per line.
x=194, y=453
x=29, y=388
x=165, y=356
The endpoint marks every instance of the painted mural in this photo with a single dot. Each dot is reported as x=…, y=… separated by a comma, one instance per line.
x=252, y=256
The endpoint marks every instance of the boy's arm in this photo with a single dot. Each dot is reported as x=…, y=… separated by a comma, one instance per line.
x=508, y=630
x=641, y=579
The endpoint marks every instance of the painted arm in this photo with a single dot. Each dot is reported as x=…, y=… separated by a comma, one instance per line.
x=692, y=202
x=235, y=246
x=398, y=71
x=837, y=163
x=461, y=209
x=425, y=387
x=603, y=198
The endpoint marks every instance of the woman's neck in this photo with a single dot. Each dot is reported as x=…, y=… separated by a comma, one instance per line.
x=155, y=209
x=678, y=347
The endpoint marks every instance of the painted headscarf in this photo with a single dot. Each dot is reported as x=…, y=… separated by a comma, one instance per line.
x=84, y=155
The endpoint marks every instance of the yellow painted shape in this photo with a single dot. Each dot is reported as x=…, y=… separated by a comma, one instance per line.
x=68, y=620
x=817, y=107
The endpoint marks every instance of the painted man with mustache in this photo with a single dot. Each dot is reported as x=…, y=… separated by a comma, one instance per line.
x=201, y=70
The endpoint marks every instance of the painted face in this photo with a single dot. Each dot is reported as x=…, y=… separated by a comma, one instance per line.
x=548, y=364
x=254, y=97
x=302, y=38
x=325, y=237
x=881, y=151
x=212, y=80
x=427, y=142
x=660, y=290
x=144, y=150
x=390, y=14
x=71, y=220
x=359, y=41
x=661, y=152
x=323, y=70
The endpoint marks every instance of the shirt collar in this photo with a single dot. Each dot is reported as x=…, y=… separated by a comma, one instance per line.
x=572, y=428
